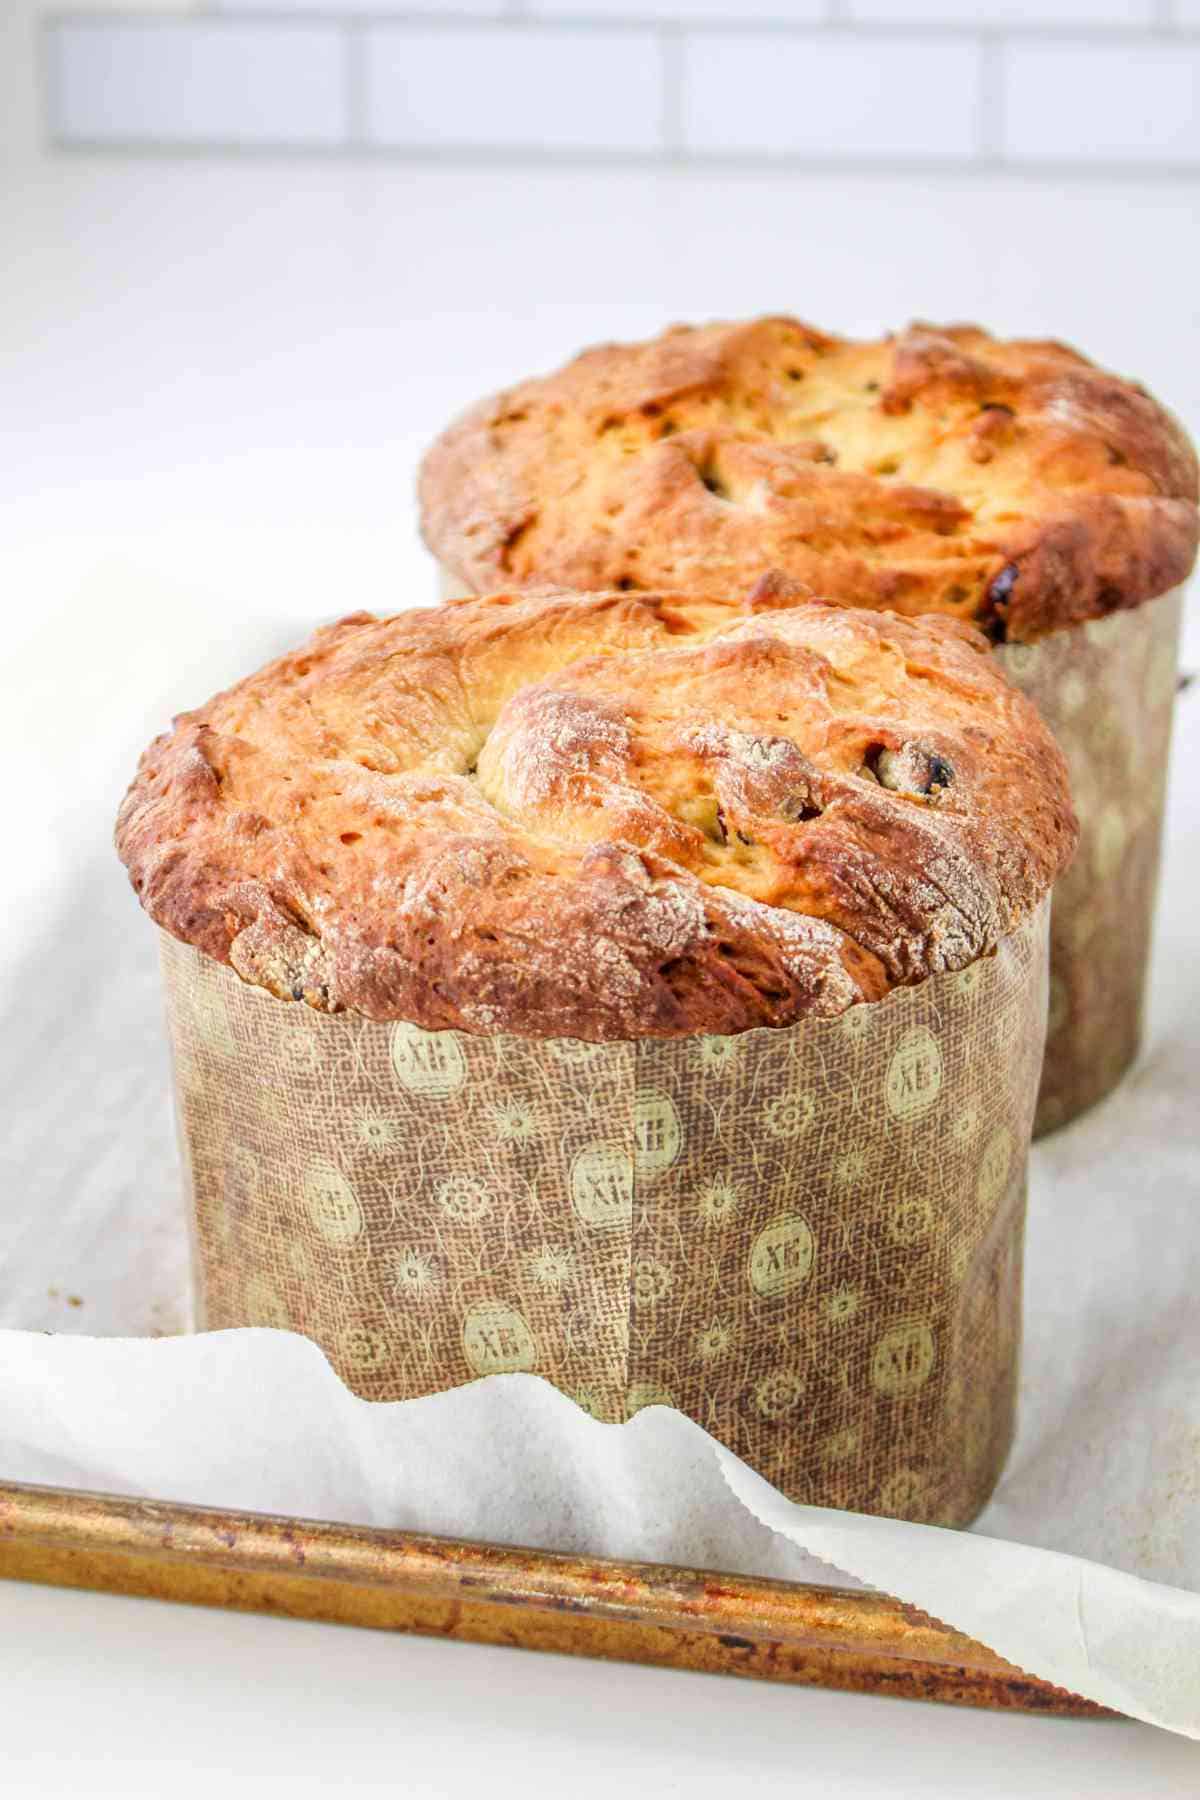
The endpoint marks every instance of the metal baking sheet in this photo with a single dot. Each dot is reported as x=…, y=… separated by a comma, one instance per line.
x=496, y=1594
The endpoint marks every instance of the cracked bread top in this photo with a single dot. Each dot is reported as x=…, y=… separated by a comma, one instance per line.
x=603, y=815
x=938, y=470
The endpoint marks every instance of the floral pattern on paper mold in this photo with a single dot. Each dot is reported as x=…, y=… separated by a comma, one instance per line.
x=1107, y=691
x=809, y=1240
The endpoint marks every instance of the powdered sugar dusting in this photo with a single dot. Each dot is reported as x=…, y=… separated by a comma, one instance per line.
x=758, y=753
x=638, y=847
x=544, y=737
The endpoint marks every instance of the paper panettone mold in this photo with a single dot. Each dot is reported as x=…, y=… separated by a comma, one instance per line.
x=808, y=1239
x=1107, y=691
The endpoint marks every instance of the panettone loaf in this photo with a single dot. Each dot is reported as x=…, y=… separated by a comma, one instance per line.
x=610, y=815
x=940, y=470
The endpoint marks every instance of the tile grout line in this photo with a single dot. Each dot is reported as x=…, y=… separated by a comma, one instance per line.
x=354, y=78
x=961, y=167
x=670, y=40
x=993, y=76
x=671, y=52
x=1163, y=24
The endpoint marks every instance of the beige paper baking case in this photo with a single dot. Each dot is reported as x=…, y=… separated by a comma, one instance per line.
x=808, y=1239
x=1106, y=689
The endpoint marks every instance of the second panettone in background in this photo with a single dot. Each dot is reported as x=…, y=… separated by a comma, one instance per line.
x=1015, y=485
x=639, y=991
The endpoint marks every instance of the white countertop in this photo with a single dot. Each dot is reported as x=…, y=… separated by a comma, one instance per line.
x=131, y=1697
x=216, y=376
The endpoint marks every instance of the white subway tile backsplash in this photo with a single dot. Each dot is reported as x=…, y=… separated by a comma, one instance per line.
x=835, y=81
x=847, y=96
x=513, y=89
x=1004, y=14
x=685, y=12
x=187, y=82
x=446, y=9
x=1128, y=103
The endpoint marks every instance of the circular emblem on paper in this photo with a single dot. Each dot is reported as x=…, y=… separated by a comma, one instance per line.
x=497, y=1340
x=787, y=1115
x=914, y=1076
x=375, y=1132
x=715, y=1054
x=212, y=1019
x=714, y=1341
x=331, y=1204
x=552, y=1266
x=717, y=1200
x=781, y=1257
x=967, y=981
x=514, y=1121
x=993, y=1169
x=602, y=1187
x=299, y=1051
x=464, y=1199
x=1108, y=845
x=657, y=1133
x=903, y=1359
x=412, y=1271
x=428, y=1063
x=851, y=1168
x=855, y=1022
x=842, y=1304
x=778, y=1393
x=910, y=1220
x=902, y=1495
x=362, y=1348
x=650, y=1282
x=842, y=1445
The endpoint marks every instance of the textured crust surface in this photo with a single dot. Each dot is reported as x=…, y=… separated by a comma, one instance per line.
x=940, y=470
x=603, y=815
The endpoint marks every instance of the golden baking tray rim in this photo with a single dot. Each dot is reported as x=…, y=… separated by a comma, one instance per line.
x=498, y=1594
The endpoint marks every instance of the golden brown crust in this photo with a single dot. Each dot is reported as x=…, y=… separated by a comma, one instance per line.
x=603, y=815
x=942, y=470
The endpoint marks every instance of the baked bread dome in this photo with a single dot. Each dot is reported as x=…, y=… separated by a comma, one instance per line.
x=940, y=470
x=604, y=815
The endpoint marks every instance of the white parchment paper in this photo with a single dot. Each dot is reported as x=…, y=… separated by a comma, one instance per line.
x=1085, y=1568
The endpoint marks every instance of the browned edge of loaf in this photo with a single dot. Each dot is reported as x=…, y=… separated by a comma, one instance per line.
x=603, y=816
x=939, y=469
